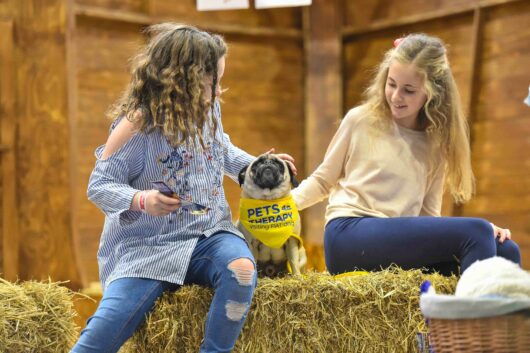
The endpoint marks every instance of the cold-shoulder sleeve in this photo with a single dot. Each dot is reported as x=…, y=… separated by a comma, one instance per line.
x=109, y=186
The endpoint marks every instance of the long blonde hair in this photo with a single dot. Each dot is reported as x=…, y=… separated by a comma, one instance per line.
x=441, y=115
x=166, y=90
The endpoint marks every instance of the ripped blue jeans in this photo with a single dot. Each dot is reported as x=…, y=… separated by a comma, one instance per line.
x=222, y=261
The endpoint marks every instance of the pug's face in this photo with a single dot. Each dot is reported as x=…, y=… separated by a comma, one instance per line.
x=267, y=178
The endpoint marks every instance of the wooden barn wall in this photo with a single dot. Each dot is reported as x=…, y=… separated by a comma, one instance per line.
x=263, y=106
x=9, y=237
x=43, y=242
x=501, y=124
x=492, y=81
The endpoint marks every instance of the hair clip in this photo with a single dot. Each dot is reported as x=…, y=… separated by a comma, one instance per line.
x=398, y=41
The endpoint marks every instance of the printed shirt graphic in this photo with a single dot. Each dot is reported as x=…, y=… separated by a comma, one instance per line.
x=270, y=221
x=134, y=244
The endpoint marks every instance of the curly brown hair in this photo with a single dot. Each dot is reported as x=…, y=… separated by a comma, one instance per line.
x=167, y=86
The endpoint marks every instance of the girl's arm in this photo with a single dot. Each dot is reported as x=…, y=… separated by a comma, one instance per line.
x=318, y=186
x=118, y=162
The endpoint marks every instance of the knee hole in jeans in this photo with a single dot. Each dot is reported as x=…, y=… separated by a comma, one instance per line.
x=243, y=270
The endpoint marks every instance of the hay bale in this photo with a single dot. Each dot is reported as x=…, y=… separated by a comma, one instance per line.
x=378, y=312
x=36, y=317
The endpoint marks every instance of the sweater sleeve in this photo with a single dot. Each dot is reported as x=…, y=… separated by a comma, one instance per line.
x=432, y=202
x=319, y=184
x=109, y=184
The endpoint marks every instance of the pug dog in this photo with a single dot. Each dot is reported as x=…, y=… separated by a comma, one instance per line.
x=269, y=177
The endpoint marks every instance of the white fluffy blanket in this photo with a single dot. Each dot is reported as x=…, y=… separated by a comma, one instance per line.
x=495, y=276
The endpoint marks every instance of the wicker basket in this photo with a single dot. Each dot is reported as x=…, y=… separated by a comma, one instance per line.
x=499, y=334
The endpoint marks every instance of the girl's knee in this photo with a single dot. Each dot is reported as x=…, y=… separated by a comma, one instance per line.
x=480, y=227
x=244, y=270
x=480, y=230
x=510, y=251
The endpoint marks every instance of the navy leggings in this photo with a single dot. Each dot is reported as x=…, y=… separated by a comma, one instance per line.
x=434, y=243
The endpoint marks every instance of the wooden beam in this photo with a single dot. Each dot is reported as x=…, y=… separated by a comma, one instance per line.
x=72, y=106
x=8, y=123
x=474, y=68
x=474, y=79
x=100, y=13
x=323, y=102
x=351, y=32
x=131, y=17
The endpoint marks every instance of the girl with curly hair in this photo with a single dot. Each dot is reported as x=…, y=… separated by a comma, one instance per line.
x=167, y=129
x=388, y=163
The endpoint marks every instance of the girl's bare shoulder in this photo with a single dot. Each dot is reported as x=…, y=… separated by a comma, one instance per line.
x=120, y=135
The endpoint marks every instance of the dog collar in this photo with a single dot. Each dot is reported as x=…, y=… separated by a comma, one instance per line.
x=270, y=221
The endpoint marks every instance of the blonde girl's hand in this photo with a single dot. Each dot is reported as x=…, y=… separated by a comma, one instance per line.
x=158, y=204
x=501, y=233
x=287, y=158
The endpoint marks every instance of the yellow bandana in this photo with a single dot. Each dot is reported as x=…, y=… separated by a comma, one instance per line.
x=270, y=221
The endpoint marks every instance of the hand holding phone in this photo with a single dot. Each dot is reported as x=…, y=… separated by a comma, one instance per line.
x=191, y=207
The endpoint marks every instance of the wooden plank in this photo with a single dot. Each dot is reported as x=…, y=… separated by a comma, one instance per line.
x=323, y=99
x=43, y=142
x=75, y=182
x=474, y=68
x=8, y=122
x=476, y=49
x=117, y=5
x=349, y=32
x=226, y=29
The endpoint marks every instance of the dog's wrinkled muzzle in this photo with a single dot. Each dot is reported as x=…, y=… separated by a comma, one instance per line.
x=268, y=176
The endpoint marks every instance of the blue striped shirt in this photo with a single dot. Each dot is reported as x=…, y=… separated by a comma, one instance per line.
x=134, y=244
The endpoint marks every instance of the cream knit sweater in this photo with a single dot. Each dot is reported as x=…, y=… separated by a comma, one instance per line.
x=369, y=172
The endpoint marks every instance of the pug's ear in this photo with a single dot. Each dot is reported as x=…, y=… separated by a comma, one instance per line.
x=291, y=174
x=241, y=176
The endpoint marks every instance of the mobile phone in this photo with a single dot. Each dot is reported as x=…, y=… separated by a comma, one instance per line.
x=163, y=188
x=191, y=207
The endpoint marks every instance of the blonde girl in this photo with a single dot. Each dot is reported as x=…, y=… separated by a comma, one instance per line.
x=386, y=167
